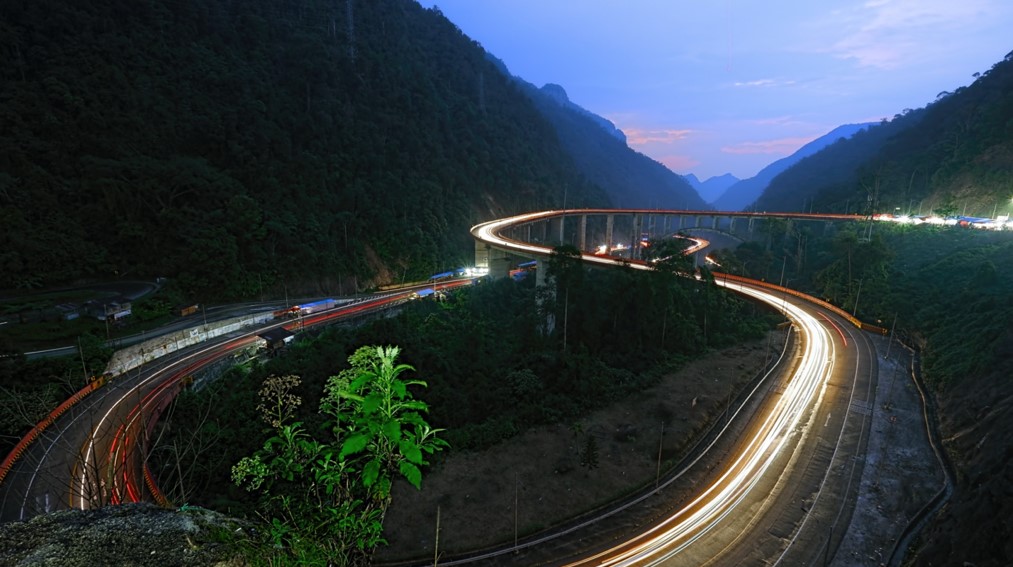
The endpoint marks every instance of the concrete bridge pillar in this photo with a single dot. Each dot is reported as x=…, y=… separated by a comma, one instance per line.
x=481, y=255
x=609, y=224
x=541, y=277
x=751, y=221
x=731, y=225
x=496, y=261
x=698, y=221
x=637, y=229
x=583, y=233
x=714, y=222
x=682, y=220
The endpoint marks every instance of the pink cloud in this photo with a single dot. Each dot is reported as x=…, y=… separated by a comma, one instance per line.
x=764, y=83
x=639, y=137
x=783, y=146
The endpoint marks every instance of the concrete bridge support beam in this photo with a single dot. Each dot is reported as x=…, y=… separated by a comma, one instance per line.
x=497, y=261
x=541, y=269
x=583, y=233
x=609, y=225
x=637, y=230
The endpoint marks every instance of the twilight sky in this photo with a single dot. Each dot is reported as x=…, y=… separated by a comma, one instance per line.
x=711, y=87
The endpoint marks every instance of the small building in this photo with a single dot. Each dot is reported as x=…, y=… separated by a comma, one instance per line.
x=276, y=339
x=112, y=310
x=69, y=311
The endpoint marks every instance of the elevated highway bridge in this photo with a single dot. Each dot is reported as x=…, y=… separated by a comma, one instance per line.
x=597, y=233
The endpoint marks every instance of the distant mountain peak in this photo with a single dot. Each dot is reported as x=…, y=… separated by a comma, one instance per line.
x=711, y=189
x=556, y=92
x=601, y=153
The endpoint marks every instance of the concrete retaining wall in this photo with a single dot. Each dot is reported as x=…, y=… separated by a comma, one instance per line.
x=133, y=356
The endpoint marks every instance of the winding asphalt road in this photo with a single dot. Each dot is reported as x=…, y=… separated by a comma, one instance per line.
x=94, y=454
x=781, y=494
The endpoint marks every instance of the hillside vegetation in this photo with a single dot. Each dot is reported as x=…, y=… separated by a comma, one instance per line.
x=244, y=146
x=954, y=156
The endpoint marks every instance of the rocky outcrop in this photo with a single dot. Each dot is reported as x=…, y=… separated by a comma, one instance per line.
x=133, y=534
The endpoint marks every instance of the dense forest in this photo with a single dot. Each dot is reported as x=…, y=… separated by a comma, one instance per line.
x=954, y=156
x=235, y=147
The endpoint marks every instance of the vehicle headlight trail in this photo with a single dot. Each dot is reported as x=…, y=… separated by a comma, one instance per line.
x=719, y=499
x=759, y=452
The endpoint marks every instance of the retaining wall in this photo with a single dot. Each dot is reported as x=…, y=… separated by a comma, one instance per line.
x=133, y=356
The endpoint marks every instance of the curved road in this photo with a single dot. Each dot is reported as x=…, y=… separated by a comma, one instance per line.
x=93, y=454
x=782, y=495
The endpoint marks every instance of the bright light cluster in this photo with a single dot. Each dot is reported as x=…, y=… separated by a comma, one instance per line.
x=475, y=272
x=1000, y=223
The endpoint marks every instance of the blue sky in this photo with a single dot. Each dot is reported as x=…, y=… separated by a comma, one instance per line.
x=710, y=87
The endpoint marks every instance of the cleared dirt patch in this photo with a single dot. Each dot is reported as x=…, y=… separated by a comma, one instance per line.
x=546, y=471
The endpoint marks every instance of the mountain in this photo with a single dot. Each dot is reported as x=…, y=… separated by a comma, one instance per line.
x=953, y=156
x=713, y=188
x=243, y=147
x=600, y=152
x=558, y=94
x=742, y=194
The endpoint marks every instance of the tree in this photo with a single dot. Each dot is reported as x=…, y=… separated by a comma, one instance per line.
x=589, y=456
x=326, y=500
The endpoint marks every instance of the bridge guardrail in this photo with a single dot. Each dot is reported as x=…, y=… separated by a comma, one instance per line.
x=40, y=427
x=805, y=296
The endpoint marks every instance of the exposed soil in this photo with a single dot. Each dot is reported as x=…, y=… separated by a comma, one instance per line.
x=901, y=473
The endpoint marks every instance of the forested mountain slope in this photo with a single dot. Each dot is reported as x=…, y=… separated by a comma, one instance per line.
x=600, y=151
x=242, y=145
x=742, y=194
x=955, y=155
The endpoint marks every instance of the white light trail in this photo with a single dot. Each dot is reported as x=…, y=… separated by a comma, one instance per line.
x=762, y=449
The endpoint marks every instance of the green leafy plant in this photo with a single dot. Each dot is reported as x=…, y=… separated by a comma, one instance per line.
x=326, y=499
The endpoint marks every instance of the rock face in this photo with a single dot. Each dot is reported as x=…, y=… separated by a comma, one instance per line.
x=133, y=534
